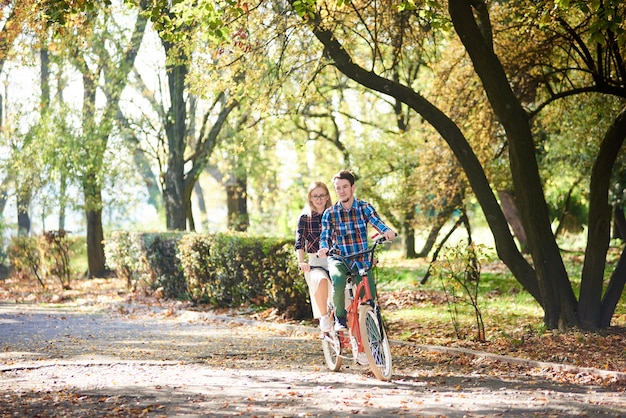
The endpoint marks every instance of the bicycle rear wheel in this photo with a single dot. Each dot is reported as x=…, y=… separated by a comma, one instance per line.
x=332, y=350
x=375, y=343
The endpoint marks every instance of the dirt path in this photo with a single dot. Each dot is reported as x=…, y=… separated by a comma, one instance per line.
x=59, y=362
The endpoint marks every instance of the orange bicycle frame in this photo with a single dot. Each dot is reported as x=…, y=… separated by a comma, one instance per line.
x=352, y=310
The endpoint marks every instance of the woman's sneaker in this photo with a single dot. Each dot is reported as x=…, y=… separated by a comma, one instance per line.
x=325, y=323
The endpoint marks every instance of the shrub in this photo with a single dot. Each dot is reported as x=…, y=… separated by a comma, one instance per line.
x=24, y=258
x=43, y=256
x=162, y=264
x=56, y=249
x=224, y=270
x=123, y=253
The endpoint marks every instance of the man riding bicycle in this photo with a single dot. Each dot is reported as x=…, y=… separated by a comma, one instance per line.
x=344, y=228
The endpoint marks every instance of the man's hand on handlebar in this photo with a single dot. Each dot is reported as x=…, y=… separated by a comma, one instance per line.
x=322, y=252
x=389, y=235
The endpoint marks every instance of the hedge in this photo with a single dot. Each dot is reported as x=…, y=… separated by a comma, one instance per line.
x=222, y=270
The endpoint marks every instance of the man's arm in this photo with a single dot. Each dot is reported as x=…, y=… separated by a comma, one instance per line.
x=377, y=223
x=326, y=234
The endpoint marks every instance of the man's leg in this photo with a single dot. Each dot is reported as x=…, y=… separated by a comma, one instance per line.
x=338, y=276
x=370, y=278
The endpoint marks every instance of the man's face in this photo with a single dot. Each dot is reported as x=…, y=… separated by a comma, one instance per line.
x=344, y=190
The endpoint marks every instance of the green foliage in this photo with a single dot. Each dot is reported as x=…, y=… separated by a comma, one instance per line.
x=59, y=12
x=606, y=17
x=43, y=257
x=147, y=260
x=162, y=264
x=306, y=8
x=223, y=270
x=57, y=248
x=458, y=271
x=122, y=252
x=234, y=269
x=24, y=258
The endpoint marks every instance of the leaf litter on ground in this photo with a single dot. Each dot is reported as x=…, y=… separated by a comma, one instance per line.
x=603, y=350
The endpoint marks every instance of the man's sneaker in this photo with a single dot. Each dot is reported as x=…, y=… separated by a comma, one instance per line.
x=361, y=359
x=340, y=323
x=325, y=323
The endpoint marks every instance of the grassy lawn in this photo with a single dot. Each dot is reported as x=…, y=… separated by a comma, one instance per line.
x=422, y=312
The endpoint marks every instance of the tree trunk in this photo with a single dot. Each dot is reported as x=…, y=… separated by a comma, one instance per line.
x=204, y=217
x=619, y=223
x=62, y=200
x=96, y=133
x=237, y=203
x=175, y=128
x=507, y=200
x=430, y=240
x=599, y=232
x=559, y=301
x=95, y=235
x=409, y=240
x=142, y=163
x=23, y=217
x=440, y=220
x=613, y=291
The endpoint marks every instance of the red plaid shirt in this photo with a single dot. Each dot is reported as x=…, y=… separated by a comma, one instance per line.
x=308, y=232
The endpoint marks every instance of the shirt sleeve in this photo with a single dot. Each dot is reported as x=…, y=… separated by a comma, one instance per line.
x=325, y=236
x=374, y=219
x=300, y=232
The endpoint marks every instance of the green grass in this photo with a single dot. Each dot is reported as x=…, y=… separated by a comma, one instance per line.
x=507, y=310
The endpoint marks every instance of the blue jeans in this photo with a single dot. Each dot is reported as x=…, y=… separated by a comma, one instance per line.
x=338, y=273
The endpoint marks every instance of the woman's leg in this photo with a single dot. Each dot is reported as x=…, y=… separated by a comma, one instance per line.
x=321, y=296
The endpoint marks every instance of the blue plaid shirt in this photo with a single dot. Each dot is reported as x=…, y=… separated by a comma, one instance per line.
x=346, y=230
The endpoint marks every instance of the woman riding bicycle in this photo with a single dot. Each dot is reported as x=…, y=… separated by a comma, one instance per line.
x=307, y=241
x=344, y=228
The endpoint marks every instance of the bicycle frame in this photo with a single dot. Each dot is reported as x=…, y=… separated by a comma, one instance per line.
x=362, y=293
x=366, y=333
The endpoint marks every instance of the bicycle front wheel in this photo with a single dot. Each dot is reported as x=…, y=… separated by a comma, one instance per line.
x=375, y=343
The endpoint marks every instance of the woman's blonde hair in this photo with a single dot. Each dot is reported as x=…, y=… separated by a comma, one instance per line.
x=309, y=207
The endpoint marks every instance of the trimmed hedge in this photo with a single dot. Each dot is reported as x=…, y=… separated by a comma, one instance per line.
x=223, y=270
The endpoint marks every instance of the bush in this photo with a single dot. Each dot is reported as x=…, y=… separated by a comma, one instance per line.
x=224, y=270
x=25, y=259
x=123, y=253
x=234, y=269
x=56, y=250
x=42, y=257
x=147, y=260
x=163, y=266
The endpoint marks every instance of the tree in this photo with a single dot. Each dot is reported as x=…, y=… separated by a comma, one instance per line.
x=17, y=15
x=547, y=279
x=104, y=63
x=187, y=145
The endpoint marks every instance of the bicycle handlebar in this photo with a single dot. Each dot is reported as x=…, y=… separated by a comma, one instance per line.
x=378, y=240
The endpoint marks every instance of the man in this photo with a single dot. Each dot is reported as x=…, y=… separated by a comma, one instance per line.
x=344, y=227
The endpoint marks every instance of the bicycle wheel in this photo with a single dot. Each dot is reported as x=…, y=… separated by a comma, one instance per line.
x=332, y=350
x=375, y=343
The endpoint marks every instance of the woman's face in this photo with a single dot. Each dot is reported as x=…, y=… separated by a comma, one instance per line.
x=319, y=197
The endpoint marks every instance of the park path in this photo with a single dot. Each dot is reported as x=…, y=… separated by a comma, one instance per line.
x=70, y=362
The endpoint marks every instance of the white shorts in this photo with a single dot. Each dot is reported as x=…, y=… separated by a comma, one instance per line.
x=313, y=279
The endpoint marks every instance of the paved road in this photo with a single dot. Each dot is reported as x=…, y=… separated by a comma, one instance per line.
x=59, y=362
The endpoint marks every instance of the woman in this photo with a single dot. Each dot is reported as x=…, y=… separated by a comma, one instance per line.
x=307, y=241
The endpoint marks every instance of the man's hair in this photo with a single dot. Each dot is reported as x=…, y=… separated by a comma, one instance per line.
x=345, y=175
